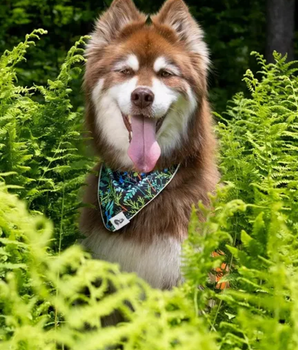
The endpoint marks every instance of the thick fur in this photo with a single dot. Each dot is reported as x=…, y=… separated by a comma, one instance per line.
x=122, y=42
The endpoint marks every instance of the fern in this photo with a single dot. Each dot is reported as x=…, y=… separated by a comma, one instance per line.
x=44, y=298
x=54, y=297
x=254, y=219
x=40, y=141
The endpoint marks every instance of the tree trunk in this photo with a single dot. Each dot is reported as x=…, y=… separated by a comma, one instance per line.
x=280, y=28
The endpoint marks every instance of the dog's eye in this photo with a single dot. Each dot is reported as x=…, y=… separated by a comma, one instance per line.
x=165, y=73
x=126, y=71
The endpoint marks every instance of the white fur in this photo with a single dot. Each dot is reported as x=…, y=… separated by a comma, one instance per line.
x=175, y=125
x=157, y=263
x=121, y=93
x=130, y=62
x=162, y=63
x=133, y=62
x=164, y=98
x=108, y=106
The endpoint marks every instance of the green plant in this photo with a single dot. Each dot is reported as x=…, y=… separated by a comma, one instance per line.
x=41, y=142
x=55, y=302
x=256, y=214
x=54, y=298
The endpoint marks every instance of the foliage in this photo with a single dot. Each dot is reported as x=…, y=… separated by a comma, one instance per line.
x=40, y=136
x=56, y=300
x=257, y=214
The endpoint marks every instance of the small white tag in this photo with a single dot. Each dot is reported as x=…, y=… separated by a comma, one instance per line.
x=119, y=221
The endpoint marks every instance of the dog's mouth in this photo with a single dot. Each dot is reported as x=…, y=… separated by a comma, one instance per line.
x=127, y=122
x=144, y=149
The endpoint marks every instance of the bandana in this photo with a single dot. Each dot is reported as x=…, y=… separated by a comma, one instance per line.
x=122, y=195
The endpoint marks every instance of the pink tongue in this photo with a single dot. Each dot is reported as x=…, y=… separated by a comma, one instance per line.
x=144, y=150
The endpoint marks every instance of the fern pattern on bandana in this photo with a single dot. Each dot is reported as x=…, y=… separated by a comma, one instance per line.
x=122, y=195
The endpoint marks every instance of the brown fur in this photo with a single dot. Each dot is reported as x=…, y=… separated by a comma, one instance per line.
x=169, y=213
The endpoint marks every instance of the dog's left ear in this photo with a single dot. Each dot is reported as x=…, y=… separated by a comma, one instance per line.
x=120, y=14
x=176, y=15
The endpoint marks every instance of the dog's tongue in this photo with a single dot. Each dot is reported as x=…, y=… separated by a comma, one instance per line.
x=144, y=150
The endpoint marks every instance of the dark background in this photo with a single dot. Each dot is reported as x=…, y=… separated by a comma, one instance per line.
x=233, y=29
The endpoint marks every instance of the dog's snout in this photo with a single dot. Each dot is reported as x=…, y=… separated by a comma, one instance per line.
x=142, y=97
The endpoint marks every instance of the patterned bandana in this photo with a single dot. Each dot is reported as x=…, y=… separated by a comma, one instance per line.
x=122, y=195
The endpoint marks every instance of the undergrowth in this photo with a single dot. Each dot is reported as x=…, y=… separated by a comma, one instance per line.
x=41, y=143
x=52, y=295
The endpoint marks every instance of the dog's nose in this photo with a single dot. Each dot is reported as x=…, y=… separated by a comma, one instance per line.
x=142, y=97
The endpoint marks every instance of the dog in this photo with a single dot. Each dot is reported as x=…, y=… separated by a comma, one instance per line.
x=149, y=117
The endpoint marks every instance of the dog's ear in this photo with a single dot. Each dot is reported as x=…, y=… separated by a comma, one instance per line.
x=111, y=22
x=175, y=14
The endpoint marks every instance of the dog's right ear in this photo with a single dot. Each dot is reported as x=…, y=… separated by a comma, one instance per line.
x=110, y=23
x=176, y=15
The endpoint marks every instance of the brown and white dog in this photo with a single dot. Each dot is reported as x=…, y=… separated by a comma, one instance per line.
x=156, y=74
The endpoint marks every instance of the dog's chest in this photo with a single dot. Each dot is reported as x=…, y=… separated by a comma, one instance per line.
x=157, y=262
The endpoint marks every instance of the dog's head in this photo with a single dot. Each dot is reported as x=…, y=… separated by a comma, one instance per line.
x=145, y=84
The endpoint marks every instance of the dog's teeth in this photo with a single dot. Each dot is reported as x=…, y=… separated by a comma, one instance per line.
x=129, y=118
